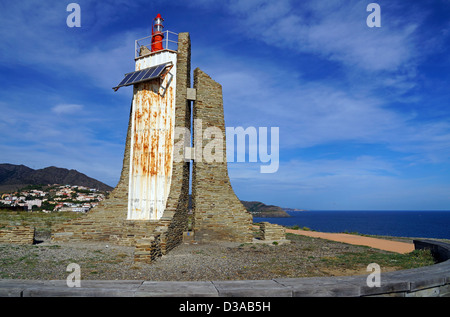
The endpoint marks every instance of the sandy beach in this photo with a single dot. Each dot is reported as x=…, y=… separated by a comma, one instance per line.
x=381, y=244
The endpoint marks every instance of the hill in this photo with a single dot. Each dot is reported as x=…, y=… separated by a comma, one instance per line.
x=259, y=209
x=17, y=176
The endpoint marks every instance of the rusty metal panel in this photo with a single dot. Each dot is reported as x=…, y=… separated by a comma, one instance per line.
x=152, y=139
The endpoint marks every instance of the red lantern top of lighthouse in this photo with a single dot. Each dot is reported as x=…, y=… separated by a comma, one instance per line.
x=157, y=33
x=159, y=40
x=158, y=24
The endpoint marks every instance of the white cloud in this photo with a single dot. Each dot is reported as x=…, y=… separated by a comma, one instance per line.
x=43, y=137
x=364, y=182
x=36, y=35
x=39, y=127
x=67, y=109
x=335, y=30
x=320, y=112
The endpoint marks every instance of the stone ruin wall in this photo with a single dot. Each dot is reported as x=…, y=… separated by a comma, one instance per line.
x=17, y=234
x=218, y=213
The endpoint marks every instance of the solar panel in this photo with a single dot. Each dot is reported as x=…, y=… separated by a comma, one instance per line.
x=131, y=80
x=154, y=72
x=142, y=75
x=158, y=70
x=150, y=73
x=127, y=76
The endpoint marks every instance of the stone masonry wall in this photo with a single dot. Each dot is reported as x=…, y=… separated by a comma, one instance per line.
x=178, y=200
x=108, y=221
x=17, y=235
x=272, y=231
x=218, y=213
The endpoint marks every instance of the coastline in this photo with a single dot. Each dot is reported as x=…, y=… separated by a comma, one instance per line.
x=417, y=224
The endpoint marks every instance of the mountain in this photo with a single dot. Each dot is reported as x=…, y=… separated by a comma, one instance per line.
x=17, y=176
x=294, y=209
x=259, y=209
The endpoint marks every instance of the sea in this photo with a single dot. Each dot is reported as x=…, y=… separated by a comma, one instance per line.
x=414, y=224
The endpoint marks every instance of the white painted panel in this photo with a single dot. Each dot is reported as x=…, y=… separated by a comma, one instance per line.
x=152, y=138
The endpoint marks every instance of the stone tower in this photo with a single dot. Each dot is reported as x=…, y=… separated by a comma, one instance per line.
x=149, y=206
x=218, y=213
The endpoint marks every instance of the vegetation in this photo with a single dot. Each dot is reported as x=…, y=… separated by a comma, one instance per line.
x=297, y=227
x=354, y=261
x=304, y=256
x=42, y=222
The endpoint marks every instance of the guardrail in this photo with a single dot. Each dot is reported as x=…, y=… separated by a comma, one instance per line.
x=170, y=42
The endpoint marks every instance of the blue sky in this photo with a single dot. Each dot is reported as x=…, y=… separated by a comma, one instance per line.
x=363, y=113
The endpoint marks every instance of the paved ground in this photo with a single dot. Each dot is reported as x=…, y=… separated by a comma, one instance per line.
x=387, y=245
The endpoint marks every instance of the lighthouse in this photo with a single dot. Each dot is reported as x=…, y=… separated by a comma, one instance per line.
x=150, y=207
x=152, y=123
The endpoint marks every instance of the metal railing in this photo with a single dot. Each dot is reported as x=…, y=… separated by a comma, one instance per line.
x=170, y=42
